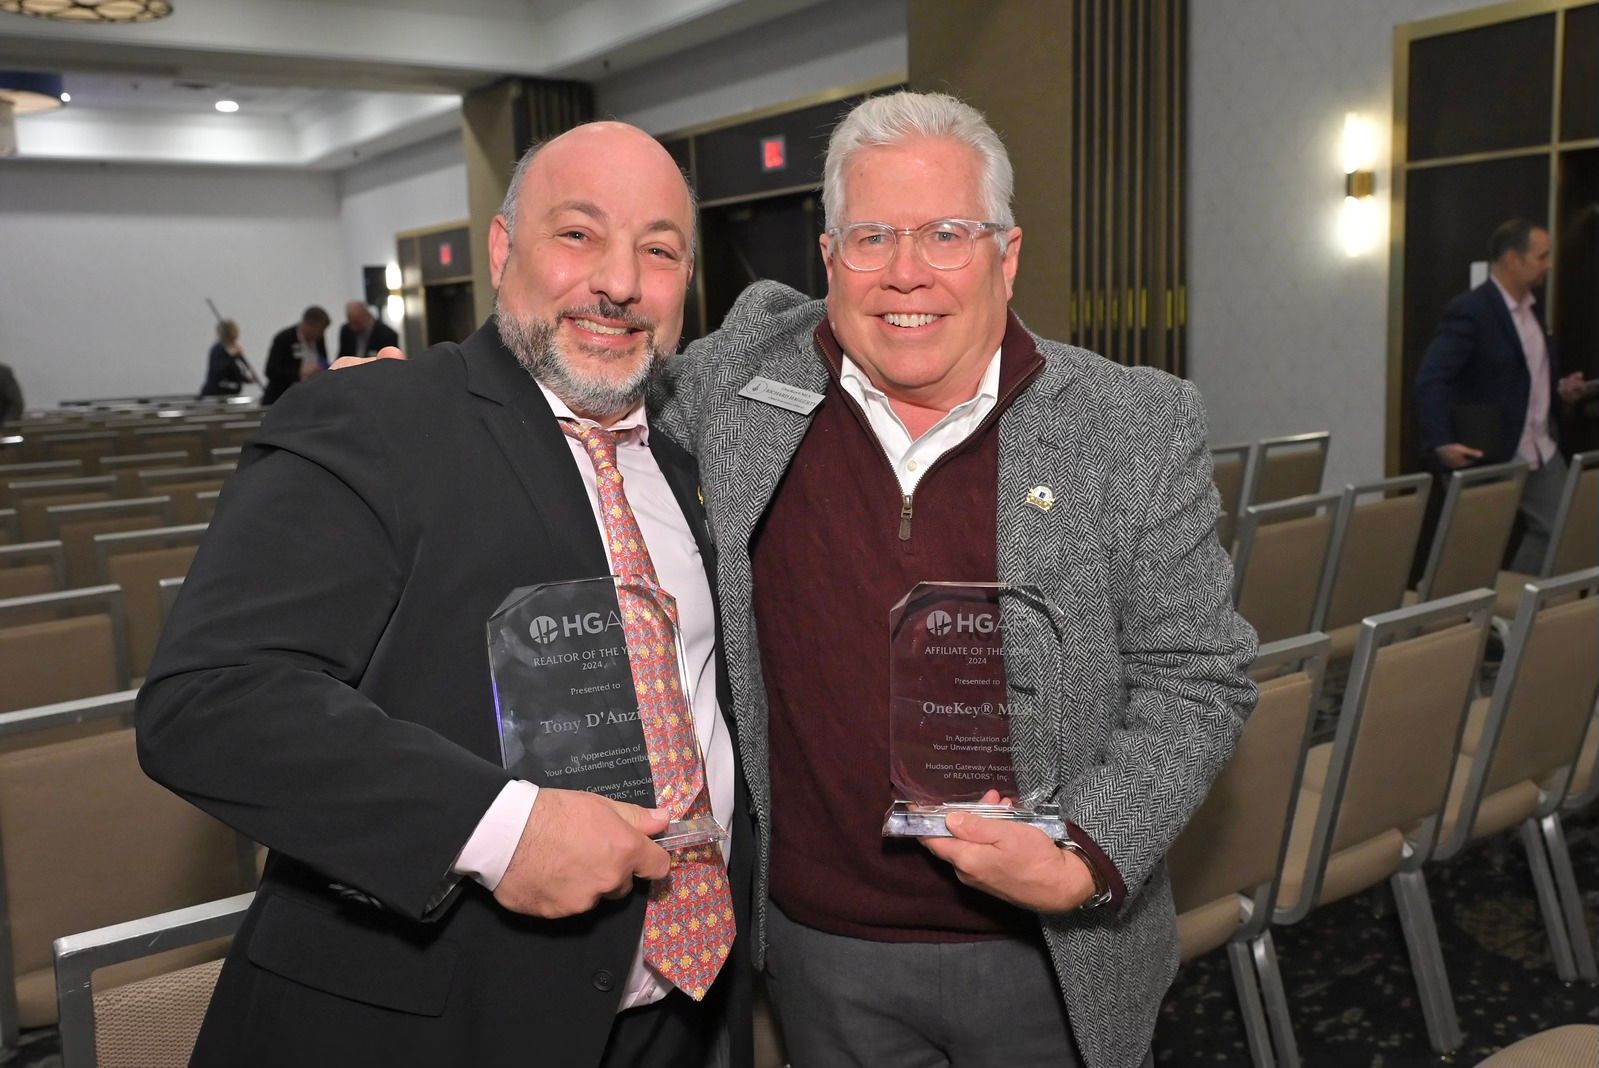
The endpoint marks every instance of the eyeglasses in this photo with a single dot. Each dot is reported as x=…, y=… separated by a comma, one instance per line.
x=943, y=244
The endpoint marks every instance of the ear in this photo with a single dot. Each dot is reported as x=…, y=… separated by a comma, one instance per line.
x=1013, y=253
x=499, y=249
x=827, y=259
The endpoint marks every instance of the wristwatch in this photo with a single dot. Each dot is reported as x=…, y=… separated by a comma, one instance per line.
x=1101, y=893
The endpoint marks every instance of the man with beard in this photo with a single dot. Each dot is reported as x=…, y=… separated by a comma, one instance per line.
x=323, y=685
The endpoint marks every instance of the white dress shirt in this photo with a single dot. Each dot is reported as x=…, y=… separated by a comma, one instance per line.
x=909, y=458
x=682, y=573
x=1535, y=445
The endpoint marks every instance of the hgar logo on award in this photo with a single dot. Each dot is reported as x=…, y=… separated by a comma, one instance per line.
x=941, y=624
x=545, y=629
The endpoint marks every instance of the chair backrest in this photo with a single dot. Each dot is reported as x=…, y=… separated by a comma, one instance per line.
x=1234, y=844
x=1229, y=464
x=1373, y=541
x=1574, y=539
x=87, y=446
x=157, y=481
x=33, y=499
x=1289, y=466
x=77, y=525
x=1543, y=698
x=125, y=469
x=1474, y=527
x=152, y=1022
x=1281, y=560
x=137, y=563
x=43, y=470
x=169, y=596
x=189, y=439
x=81, y=653
x=76, y=859
x=30, y=568
x=1399, y=730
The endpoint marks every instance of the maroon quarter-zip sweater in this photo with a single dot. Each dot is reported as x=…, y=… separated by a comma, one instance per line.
x=840, y=546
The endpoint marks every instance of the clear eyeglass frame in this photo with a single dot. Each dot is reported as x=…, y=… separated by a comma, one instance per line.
x=949, y=255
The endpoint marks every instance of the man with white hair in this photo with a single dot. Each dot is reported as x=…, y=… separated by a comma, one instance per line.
x=910, y=429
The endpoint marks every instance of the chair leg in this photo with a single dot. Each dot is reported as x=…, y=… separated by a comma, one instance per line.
x=1554, y=837
x=1427, y=961
x=1264, y=951
x=1543, y=883
x=1256, y=1030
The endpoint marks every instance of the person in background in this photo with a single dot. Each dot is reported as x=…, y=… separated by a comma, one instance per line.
x=11, y=405
x=297, y=353
x=363, y=334
x=1486, y=389
x=226, y=372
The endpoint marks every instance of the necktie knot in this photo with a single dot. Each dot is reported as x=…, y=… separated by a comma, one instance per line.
x=597, y=441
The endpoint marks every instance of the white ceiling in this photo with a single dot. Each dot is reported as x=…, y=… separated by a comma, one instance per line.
x=324, y=83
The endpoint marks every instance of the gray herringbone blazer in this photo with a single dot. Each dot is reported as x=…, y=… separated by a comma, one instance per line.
x=1126, y=712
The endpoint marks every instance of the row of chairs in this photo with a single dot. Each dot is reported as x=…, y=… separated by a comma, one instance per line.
x=1260, y=472
x=1420, y=767
x=87, y=841
x=62, y=642
x=1323, y=562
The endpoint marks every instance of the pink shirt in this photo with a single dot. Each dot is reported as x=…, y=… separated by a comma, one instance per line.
x=682, y=573
x=1536, y=445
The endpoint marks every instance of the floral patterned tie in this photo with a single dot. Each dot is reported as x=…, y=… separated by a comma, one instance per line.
x=688, y=924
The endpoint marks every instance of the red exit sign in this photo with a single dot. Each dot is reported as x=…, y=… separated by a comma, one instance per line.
x=774, y=153
x=446, y=254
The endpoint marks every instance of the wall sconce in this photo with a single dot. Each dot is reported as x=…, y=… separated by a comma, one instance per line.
x=395, y=305
x=1359, y=223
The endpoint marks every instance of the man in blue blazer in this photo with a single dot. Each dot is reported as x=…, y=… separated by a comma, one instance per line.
x=1486, y=389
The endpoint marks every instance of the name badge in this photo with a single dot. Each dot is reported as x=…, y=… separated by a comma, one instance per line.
x=781, y=395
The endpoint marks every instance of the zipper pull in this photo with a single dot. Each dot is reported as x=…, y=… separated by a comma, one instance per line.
x=905, y=518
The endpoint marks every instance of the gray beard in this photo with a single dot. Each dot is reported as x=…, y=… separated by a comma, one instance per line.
x=533, y=342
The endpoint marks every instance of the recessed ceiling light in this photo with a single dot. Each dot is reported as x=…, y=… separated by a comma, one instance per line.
x=66, y=98
x=227, y=107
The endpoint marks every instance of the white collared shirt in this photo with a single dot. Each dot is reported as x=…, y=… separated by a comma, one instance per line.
x=910, y=458
x=1535, y=445
x=682, y=574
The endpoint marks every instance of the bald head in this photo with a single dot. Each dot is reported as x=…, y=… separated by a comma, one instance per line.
x=625, y=147
x=358, y=315
x=591, y=257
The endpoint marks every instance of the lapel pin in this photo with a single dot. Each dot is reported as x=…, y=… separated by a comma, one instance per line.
x=701, y=491
x=1041, y=497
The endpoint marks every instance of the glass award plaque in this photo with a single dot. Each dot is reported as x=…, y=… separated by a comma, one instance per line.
x=949, y=726
x=565, y=700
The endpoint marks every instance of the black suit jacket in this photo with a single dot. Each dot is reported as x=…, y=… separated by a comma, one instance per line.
x=1473, y=380
x=282, y=366
x=323, y=686
x=381, y=335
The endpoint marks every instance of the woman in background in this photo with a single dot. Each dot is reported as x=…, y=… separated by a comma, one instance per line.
x=226, y=371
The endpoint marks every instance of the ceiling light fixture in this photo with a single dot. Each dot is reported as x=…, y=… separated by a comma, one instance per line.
x=90, y=10
x=66, y=98
x=27, y=92
x=227, y=107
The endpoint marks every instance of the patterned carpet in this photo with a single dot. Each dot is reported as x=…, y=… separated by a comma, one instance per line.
x=1348, y=977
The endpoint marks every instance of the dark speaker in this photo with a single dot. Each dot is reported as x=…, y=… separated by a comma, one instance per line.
x=377, y=287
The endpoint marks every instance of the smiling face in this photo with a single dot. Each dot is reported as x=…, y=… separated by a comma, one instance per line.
x=590, y=286
x=923, y=336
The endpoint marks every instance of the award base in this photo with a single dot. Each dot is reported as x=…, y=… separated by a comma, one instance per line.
x=680, y=834
x=910, y=820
